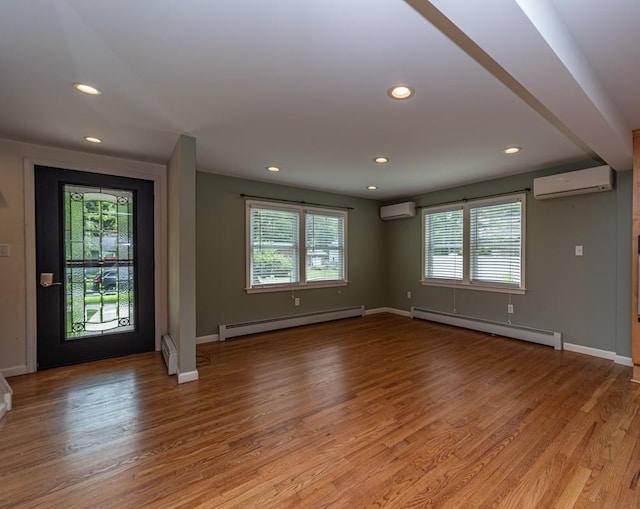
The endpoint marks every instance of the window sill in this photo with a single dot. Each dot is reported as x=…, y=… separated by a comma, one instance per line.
x=294, y=287
x=483, y=288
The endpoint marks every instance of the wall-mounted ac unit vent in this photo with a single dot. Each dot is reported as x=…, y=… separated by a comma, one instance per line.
x=170, y=354
x=591, y=180
x=398, y=211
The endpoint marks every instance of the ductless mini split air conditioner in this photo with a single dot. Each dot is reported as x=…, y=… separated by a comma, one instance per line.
x=398, y=211
x=591, y=180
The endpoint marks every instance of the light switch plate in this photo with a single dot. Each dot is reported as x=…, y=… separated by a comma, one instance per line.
x=578, y=250
x=4, y=250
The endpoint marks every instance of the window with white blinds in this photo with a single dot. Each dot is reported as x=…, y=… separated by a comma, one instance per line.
x=273, y=246
x=294, y=246
x=478, y=243
x=443, y=244
x=324, y=235
x=496, y=243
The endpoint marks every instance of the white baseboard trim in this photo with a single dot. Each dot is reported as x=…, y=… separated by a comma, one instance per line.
x=394, y=311
x=189, y=376
x=587, y=350
x=211, y=338
x=624, y=361
x=14, y=371
x=602, y=354
x=374, y=311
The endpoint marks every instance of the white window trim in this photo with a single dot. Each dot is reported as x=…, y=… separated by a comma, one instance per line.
x=302, y=284
x=466, y=282
x=439, y=281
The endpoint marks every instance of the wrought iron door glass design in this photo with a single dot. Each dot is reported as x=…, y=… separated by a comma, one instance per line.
x=99, y=261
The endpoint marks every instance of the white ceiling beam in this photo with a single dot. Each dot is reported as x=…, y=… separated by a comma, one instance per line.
x=528, y=47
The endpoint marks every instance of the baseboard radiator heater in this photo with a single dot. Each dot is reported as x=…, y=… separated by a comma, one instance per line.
x=170, y=354
x=271, y=324
x=6, y=395
x=541, y=337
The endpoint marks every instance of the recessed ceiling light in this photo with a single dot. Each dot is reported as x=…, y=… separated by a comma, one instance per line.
x=512, y=150
x=273, y=169
x=86, y=89
x=400, y=92
x=92, y=139
x=381, y=160
x=372, y=188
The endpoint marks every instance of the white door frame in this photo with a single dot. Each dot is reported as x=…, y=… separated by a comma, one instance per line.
x=110, y=166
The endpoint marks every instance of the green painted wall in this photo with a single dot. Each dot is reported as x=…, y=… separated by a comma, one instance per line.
x=586, y=298
x=220, y=255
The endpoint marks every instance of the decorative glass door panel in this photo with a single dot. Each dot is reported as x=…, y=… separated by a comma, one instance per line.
x=99, y=261
x=95, y=266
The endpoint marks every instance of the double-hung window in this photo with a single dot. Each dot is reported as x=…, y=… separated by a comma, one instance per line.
x=479, y=244
x=443, y=244
x=291, y=246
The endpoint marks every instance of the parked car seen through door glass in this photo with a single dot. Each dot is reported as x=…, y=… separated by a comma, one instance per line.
x=108, y=280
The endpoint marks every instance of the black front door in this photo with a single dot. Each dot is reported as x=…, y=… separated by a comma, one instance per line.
x=94, y=263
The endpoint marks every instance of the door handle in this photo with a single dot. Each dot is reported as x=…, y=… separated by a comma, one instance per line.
x=46, y=279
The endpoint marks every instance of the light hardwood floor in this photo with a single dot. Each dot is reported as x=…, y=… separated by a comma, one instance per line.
x=381, y=411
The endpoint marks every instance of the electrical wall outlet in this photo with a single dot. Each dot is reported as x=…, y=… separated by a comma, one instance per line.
x=4, y=250
x=408, y=295
x=296, y=301
x=510, y=309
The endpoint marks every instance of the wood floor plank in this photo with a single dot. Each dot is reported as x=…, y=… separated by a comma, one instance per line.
x=382, y=411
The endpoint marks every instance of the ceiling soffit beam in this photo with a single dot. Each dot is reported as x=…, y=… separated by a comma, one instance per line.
x=526, y=45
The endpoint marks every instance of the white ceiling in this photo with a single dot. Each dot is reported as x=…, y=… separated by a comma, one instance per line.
x=303, y=85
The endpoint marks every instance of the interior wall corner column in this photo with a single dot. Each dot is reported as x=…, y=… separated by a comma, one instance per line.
x=635, y=257
x=181, y=169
